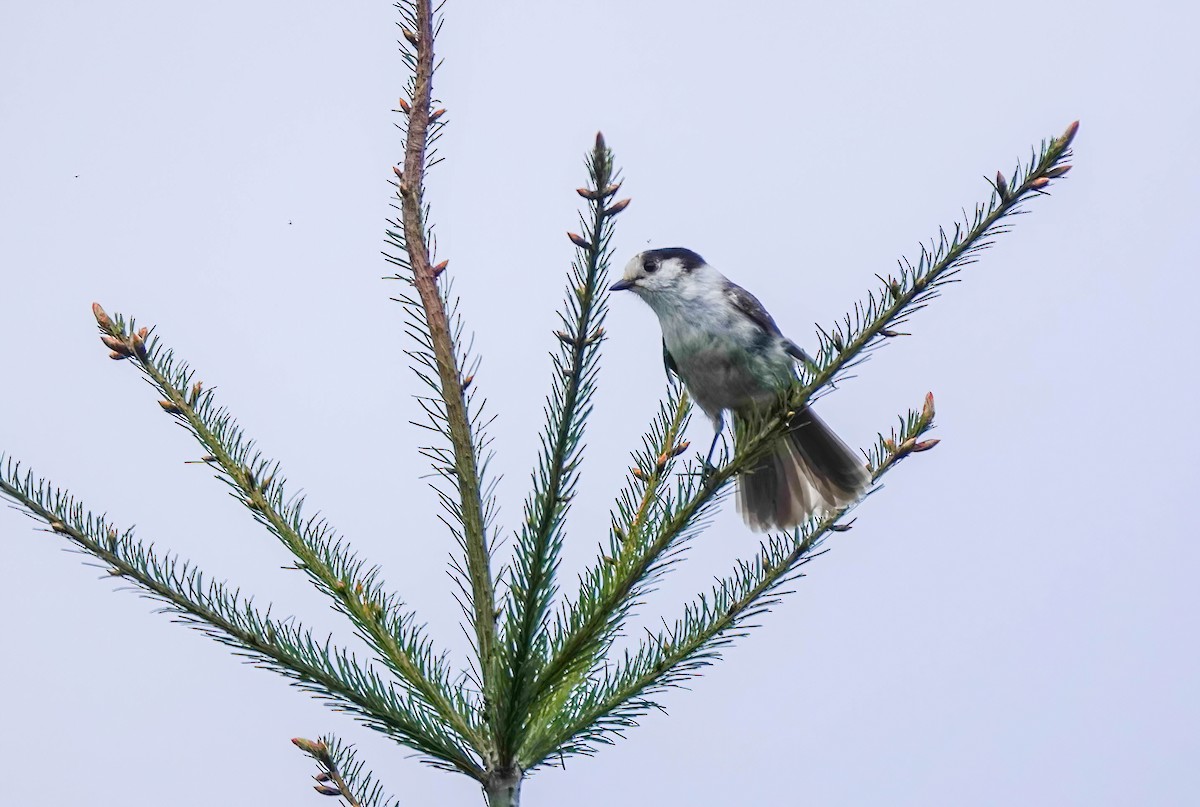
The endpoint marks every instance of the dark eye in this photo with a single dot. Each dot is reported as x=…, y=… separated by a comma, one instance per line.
x=649, y=266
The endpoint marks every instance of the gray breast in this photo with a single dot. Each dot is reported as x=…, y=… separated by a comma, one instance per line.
x=724, y=363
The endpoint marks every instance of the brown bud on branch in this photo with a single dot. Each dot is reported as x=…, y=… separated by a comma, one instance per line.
x=102, y=318
x=924, y=445
x=117, y=345
x=1039, y=183
x=617, y=207
x=578, y=240
x=316, y=749
x=1058, y=171
x=1069, y=134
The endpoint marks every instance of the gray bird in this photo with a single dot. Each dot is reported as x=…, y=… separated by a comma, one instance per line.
x=730, y=354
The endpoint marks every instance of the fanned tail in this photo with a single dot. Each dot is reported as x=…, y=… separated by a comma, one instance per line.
x=808, y=471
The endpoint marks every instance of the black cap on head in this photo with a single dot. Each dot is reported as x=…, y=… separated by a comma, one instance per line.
x=690, y=259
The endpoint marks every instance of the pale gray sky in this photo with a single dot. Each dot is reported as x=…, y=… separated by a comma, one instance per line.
x=1013, y=620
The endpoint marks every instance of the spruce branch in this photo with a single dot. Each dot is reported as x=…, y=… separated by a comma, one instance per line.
x=378, y=615
x=437, y=333
x=316, y=666
x=341, y=773
x=531, y=583
x=873, y=321
x=611, y=702
x=638, y=550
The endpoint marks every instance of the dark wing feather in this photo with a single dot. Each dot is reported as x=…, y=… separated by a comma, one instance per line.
x=669, y=361
x=749, y=305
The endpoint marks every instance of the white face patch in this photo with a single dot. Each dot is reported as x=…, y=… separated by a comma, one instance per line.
x=633, y=268
x=652, y=274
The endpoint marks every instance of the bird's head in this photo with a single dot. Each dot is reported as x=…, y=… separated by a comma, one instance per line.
x=658, y=273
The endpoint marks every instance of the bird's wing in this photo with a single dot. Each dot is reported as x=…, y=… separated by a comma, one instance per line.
x=669, y=361
x=749, y=305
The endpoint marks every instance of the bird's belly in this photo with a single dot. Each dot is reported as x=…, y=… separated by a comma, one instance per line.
x=726, y=363
x=718, y=379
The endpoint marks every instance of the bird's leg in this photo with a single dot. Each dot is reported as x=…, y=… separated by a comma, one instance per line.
x=719, y=426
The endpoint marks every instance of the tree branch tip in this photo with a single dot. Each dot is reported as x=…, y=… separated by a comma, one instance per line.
x=927, y=409
x=600, y=144
x=1069, y=134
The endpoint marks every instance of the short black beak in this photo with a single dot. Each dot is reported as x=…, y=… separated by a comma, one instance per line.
x=621, y=285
